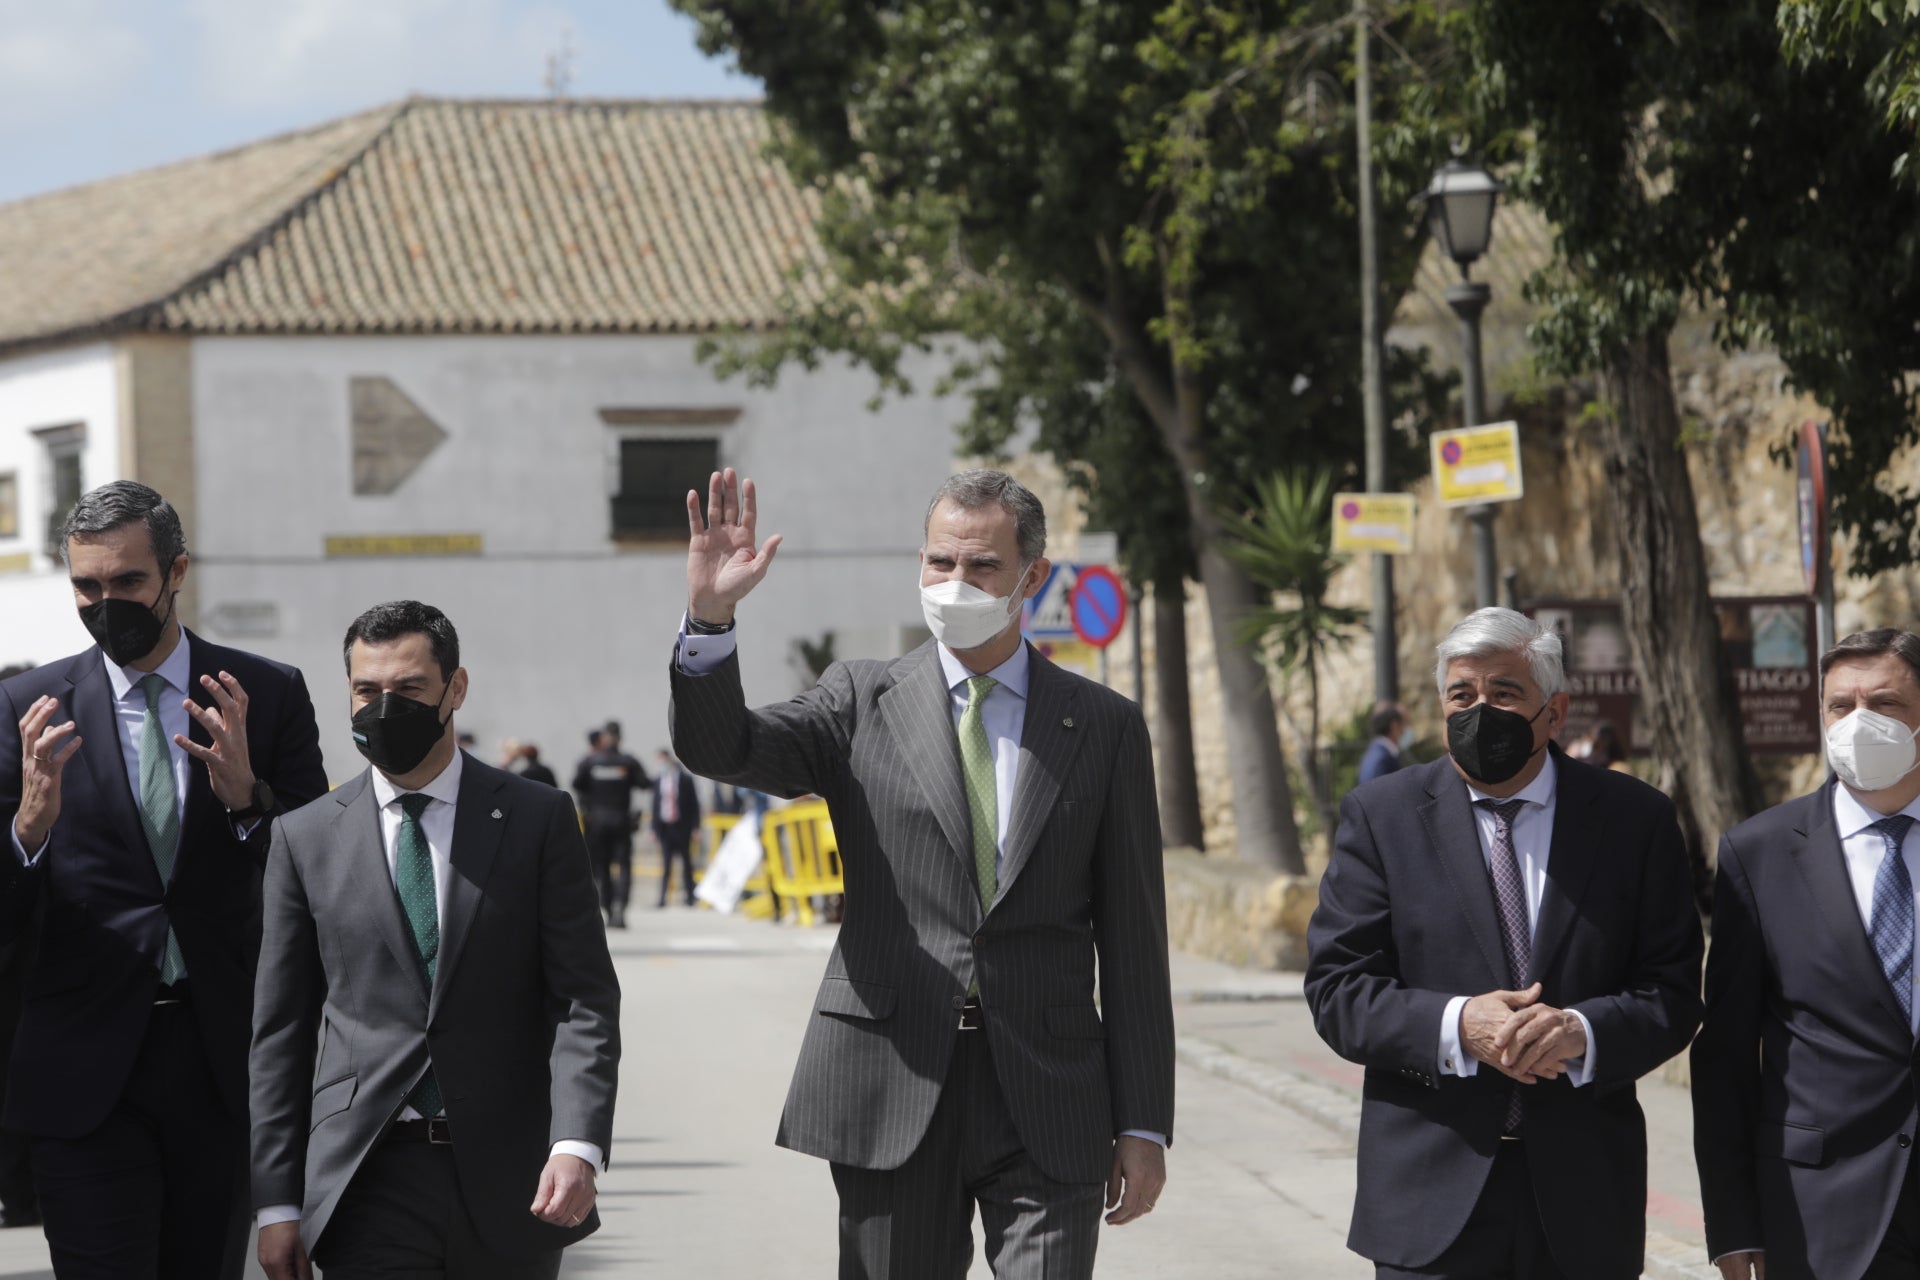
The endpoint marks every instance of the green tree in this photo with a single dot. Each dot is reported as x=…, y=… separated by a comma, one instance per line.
x=1122, y=223
x=1285, y=544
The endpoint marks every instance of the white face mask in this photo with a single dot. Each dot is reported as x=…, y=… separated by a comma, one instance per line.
x=1869, y=751
x=962, y=616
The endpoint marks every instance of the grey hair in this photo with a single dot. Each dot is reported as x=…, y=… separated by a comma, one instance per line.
x=1492, y=630
x=972, y=490
x=121, y=503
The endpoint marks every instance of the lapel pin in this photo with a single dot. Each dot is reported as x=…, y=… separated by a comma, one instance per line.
x=1068, y=722
x=498, y=814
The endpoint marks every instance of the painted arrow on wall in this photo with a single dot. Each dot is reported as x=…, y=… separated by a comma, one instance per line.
x=392, y=436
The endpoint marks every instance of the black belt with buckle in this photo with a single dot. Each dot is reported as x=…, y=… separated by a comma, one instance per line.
x=970, y=1016
x=171, y=993
x=434, y=1132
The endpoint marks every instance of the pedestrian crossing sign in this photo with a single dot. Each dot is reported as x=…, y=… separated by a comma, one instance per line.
x=1049, y=615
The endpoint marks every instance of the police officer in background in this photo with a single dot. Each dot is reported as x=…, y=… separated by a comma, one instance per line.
x=605, y=783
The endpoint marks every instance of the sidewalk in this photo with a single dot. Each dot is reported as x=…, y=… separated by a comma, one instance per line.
x=1253, y=1028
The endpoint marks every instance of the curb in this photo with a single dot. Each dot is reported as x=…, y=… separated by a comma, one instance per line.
x=1339, y=1112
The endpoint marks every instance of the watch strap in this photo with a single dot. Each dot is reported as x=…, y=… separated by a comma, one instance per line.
x=699, y=628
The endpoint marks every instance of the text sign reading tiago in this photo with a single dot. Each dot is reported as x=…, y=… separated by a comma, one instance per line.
x=1099, y=606
x=403, y=544
x=1479, y=464
x=1768, y=641
x=1380, y=522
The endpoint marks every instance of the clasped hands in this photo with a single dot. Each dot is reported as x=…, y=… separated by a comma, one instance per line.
x=1516, y=1035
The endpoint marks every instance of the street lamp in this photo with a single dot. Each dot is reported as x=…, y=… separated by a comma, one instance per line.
x=1460, y=207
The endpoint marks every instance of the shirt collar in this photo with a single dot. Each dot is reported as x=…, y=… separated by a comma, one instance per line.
x=177, y=670
x=1540, y=791
x=1850, y=817
x=445, y=787
x=1010, y=675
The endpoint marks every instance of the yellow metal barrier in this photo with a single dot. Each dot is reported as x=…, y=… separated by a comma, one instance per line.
x=802, y=856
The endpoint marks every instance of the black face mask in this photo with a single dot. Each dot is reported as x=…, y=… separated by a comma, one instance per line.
x=1491, y=743
x=126, y=630
x=396, y=733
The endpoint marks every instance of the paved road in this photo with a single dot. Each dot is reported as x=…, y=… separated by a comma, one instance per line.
x=712, y=1018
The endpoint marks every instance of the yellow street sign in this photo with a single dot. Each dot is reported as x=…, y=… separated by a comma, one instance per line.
x=1380, y=522
x=403, y=544
x=1479, y=464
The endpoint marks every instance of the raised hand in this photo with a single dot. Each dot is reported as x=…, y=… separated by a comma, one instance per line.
x=229, y=770
x=45, y=748
x=723, y=563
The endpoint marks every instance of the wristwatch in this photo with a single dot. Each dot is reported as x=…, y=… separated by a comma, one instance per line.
x=260, y=804
x=696, y=627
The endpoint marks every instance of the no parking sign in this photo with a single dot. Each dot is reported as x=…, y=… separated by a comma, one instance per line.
x=1099, y=602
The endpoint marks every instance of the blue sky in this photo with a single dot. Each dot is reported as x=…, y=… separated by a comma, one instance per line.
x=91, y=88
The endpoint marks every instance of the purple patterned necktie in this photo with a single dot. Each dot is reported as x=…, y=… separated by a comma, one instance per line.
x=1510, y=895
x=1891, y=929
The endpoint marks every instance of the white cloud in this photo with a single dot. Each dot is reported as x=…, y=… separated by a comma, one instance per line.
x=58, y=59
x=350, y=53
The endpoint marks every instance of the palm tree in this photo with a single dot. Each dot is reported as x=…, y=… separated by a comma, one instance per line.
x=1285, y=544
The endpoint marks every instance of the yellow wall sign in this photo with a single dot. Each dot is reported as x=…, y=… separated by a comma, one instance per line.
x=403, y=544
x=18, y=562
x=1479, y=464
x=1380, y=522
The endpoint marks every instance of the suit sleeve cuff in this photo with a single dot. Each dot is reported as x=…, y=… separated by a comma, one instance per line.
x=1148, y=1134
x=703, y=655
x=277, y=1213
x=27, y=859
x=1454, y=1059
x=590, y=1152
x=1731, y=1253
x=1580, y=1069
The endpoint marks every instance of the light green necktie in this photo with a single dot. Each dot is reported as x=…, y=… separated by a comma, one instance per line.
x=160, y=809
x=976, y=766
x=413, y=879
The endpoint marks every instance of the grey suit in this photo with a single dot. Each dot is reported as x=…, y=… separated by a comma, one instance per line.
x=1080, y=892
x=521, y=1026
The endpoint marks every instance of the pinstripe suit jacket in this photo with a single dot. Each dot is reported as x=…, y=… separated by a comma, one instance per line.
x=1080, y=890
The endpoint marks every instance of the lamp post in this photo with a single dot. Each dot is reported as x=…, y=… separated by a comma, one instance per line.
x=1460, y=205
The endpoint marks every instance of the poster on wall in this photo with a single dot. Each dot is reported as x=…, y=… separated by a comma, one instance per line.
x=1769, y=643
x=9, y=504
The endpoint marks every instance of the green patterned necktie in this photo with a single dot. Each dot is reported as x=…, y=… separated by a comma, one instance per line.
x=160, y=809
x=413, y=879
x=976, y=766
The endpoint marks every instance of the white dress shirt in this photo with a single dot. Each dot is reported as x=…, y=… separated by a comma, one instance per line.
x=130, y=716
x=1003, y=715
x=436, y=823
x=1865, y=850
x=1532, y=846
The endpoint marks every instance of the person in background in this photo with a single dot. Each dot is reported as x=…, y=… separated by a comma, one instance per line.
x=137, y=780
x=605, y=783
x=676, y=816
x=1391, y=736
x=531, y=769
x=1605, y=750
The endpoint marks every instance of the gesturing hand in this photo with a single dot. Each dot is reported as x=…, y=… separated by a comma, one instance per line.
x=43, y=755
x=722, y=562
x=228, y=768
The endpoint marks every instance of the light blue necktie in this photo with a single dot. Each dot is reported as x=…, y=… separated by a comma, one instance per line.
x=1892, y=927
x=160, y=809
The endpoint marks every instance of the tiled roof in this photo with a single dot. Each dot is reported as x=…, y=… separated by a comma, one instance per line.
x=433, y=216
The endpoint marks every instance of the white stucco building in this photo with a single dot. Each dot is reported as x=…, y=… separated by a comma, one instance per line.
x=446, y=350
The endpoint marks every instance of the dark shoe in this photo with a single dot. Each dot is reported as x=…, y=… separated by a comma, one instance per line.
x=19, y=1216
